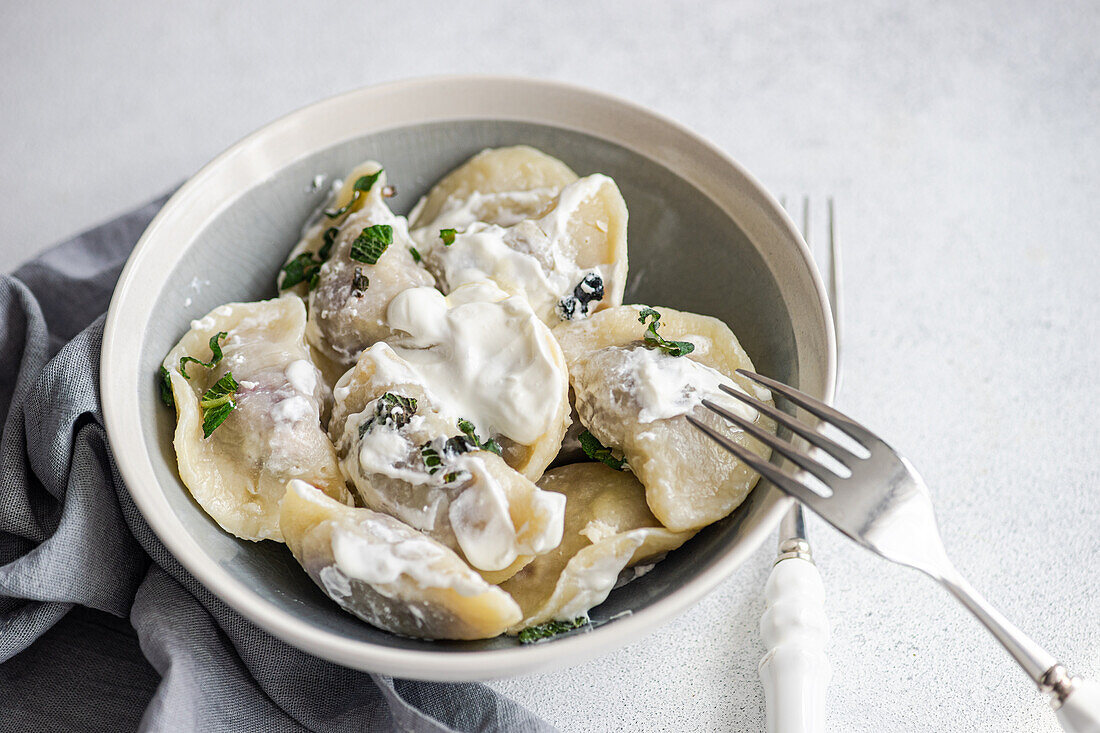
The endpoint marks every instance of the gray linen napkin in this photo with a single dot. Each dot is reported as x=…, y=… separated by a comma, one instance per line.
x=77, y=560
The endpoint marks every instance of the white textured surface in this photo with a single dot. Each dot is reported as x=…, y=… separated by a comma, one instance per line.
x=961, y=142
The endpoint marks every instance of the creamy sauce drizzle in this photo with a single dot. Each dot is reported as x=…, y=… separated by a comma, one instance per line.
x=527, y=258
x=670, y=386
x=487, y=358
x=376, y=551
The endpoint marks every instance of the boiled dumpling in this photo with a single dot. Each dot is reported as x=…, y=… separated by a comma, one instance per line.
x=608, y=527
x=387, y=573
x=273, y=432
x=355, y=263
x=568, y=262
x=488, y=360
x=633, y=395
x=432, y=469
x=497, y=186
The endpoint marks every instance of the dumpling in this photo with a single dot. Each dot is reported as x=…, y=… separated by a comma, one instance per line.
x=608, y=527
x=633, y=395
x=488, y=360
x=497, y=186
x=432, y=469
x=272, y=433
x=354, y=264
x=568, y=262
x=387, y=573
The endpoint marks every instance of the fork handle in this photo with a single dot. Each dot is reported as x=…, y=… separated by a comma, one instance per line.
x=1076, y=701
x=795, y=671
x=1080, y=711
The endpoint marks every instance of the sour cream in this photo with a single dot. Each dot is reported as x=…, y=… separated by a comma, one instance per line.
x=375, y=550
x=533, y=258
x=485, y=356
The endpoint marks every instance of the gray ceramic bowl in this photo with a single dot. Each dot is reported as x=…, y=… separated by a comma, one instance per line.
x=703, y=237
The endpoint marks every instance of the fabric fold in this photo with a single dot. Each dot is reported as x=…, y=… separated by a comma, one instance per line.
x=71, y=536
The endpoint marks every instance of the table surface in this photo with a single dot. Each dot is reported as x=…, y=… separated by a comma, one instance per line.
x=960, y=141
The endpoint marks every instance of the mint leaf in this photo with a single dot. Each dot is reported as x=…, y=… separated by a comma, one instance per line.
x=431, y=458
x=390, y=408
x=469, y=430
x=306, y=267
x=217, y=403
x=303, y=268
x=450, y=478
x=371, y=243
x=416, y=255
x=656, y=340
x=448, y=236
x=362, y=185
x=216, y=355
x=329, y=239
x=597, y=451
x=165, y=382
x=551, y=628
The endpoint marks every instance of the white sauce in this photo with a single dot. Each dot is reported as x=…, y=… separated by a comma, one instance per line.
x=486, y=355
x=378, y=554
x=335, y=583
x=379, y=550
x=595, y=581
x=382, y=449
x=481, y=521
x=526, y=258
x=670, y=386
x=293, y=409
x=640, y=570
x=302, y=376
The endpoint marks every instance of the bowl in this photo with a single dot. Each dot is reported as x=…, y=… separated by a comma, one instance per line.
x=704, y=237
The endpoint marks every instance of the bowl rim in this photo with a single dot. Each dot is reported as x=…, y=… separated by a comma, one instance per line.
x=377, y=108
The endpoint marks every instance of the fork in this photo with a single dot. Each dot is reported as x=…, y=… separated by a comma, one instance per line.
x=795, y=670
x=874, y=495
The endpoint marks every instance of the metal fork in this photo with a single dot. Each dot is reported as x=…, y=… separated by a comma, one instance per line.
x=795, y=669
x=879, y=500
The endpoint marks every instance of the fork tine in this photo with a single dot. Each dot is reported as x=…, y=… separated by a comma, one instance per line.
x=785, y=483
x=836, y=450
x=776, y=443
x=817, y=408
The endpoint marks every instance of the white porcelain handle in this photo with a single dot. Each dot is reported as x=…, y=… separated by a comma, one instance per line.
x=795, y=671
x=1080, y=713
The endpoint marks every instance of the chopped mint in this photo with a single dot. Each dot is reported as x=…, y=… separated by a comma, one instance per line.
x=165, y=382
x=432, y=461
x=589, y=289
x=655, y=340
x=596, y=450
x=216, y=355
x=470, y=431
x=551, y=628
x=415, y=254
x=448, y=236
x=217, y=403
x=328, y=239
x=371, y=243
x=390, y=408
x=362, y=185
x=454, y=476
